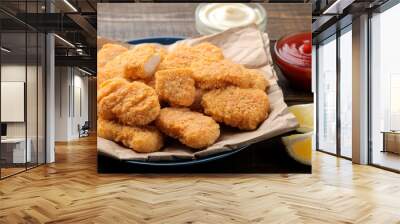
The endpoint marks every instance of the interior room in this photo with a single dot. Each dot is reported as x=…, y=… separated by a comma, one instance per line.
x=49, y=154
x=40, y=80
x=348, y=45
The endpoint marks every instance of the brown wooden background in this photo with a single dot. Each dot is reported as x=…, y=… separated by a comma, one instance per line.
x=124, y=22
x=127, y=21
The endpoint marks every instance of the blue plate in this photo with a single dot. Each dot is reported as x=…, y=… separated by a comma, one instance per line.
x=167, y=41
x=156, y=40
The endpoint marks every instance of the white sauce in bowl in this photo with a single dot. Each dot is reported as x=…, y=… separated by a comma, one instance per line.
x=222, y=16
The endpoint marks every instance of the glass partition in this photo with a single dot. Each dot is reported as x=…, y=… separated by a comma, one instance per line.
x=41, y=97
x=22, y=91
x=31, y=98
x=326, y=98
x=346, y=92
x=15, y=151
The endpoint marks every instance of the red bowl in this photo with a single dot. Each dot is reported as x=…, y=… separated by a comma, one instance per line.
x=293, y=56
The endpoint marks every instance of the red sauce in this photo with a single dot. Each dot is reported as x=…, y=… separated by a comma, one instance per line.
x=293, y=56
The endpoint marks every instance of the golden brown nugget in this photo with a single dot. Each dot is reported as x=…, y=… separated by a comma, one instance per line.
x=129, y=103
x=223, y=73
x=176, y=86
x=257, y=80
x=190, y=128
x=151, y=82
x=159, y=50
x=104, y=55
x=108, y=52
x=140, y=139
x=209, y=51
x=105, y=89
x=183, y=55
x=140, y=62
x=196, y=105
x=236, y=107
x=219, y=74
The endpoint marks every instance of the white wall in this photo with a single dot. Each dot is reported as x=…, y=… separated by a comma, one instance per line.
x=61, y=103
x=9, y=73
x=33, y=126
x=69, y=82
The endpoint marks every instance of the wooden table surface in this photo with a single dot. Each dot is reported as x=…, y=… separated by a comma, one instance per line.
x=127, y=21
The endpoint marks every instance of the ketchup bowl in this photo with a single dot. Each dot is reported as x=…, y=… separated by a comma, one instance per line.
x=293, y=56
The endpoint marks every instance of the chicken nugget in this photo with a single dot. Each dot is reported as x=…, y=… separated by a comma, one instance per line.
x=208, y=51
x=196, y=105
x=176, y=86
x=183, y=55
x=236, y=107
x=105, y=89
x=138, y=63
x=223, y=73
x=151, y=82
x=158, y=48
x=219, y=74
x=190, y=128
x=140, y=139
x=104, y=55
x=130, y=103
x=108, y=52
x=257, y=79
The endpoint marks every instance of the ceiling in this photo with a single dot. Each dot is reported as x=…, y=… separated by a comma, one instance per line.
x=72, y=20
x=327, y=13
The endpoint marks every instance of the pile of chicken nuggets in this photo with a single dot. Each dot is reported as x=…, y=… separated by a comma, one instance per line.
x=147, y=92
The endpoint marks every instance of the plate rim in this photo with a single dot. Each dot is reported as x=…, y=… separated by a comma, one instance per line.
x=155, y=39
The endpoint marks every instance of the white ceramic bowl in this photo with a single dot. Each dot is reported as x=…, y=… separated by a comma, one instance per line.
x=206, y=29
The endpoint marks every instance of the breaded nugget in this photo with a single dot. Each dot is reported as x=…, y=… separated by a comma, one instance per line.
x=236, y=107
x=104, y=55
x=138, y=63
x=140, y=139
x=223, y=73
x=130, y=103
x=159, y=49
x=176, y=86
x=151, y=82
x=191, y=128
x=108, y=52
x=257, y=79
x=209, y=51
x=219, y=74
x=183, y=55
x=196, y=105
x=110, y=86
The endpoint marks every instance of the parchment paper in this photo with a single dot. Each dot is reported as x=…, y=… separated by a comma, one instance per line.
x=249, y=47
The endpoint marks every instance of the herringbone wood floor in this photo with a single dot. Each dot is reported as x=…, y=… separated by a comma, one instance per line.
x=71, y=191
